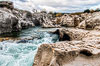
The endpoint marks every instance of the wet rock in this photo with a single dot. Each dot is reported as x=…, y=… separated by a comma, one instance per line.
x=22, y=41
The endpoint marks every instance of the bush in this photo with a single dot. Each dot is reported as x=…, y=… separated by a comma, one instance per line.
x=59, y=14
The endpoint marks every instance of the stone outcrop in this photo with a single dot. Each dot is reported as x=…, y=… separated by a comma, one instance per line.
x=8, y=22
x=12, y=19
x=83, y=21
x=19, y=19
x=6, y=4
x=25, y=18
x=91, y=21
x=70, y=20
x=45, y=20
x=69, y=53
x=80, y=47
x=69, y=34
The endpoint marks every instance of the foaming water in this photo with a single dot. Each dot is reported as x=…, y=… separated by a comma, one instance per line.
x=22, y=52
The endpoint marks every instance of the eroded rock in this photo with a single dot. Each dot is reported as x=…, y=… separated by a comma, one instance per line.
x=6, y=4
x=68, y=53
x=80, y=47
x=91, y=21
x=12, y=19
x=8, y=22
x=70, y=20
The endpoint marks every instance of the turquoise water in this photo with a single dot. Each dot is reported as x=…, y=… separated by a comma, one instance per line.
x=22, y=52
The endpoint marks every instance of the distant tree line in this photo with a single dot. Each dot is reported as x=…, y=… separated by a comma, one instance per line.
x=91, y=10
x=58, y=14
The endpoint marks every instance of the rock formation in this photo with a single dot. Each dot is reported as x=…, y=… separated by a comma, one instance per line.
x=79, y=43
x=79, y=35
x=91, y=21
x=45, y=20
x=6, y=4
x=69, y=53
x=80, y=47
x=8, y=22
x=70, y=20
x=12, y=19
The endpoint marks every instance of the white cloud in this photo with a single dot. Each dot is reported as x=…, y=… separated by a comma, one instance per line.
x=95, y=7
x=56, y=5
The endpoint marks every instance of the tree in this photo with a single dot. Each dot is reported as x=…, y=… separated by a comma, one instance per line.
x=97, y=10
x=87, y=11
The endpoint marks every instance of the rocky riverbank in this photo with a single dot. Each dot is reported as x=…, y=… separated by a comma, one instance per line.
x=79, y=35
x=13, y=19
x=79, y=42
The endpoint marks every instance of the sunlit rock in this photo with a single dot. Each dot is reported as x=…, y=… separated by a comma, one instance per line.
x=70, y=20
x=91, y=22
x=68, y=53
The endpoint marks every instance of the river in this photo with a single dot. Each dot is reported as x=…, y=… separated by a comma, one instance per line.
x=22, y=52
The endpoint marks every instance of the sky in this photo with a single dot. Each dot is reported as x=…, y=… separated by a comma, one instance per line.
x=66, y=6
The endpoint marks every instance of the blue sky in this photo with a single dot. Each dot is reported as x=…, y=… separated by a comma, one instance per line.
x=57, y=5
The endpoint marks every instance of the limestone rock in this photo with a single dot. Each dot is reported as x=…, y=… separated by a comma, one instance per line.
x=6, y=4
x=25, y=18
x=91, y=22
x=71, y=34
x=45, y=20
x=68, y=53
x=8, y=22
x=70, y=20
x=12, y=19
